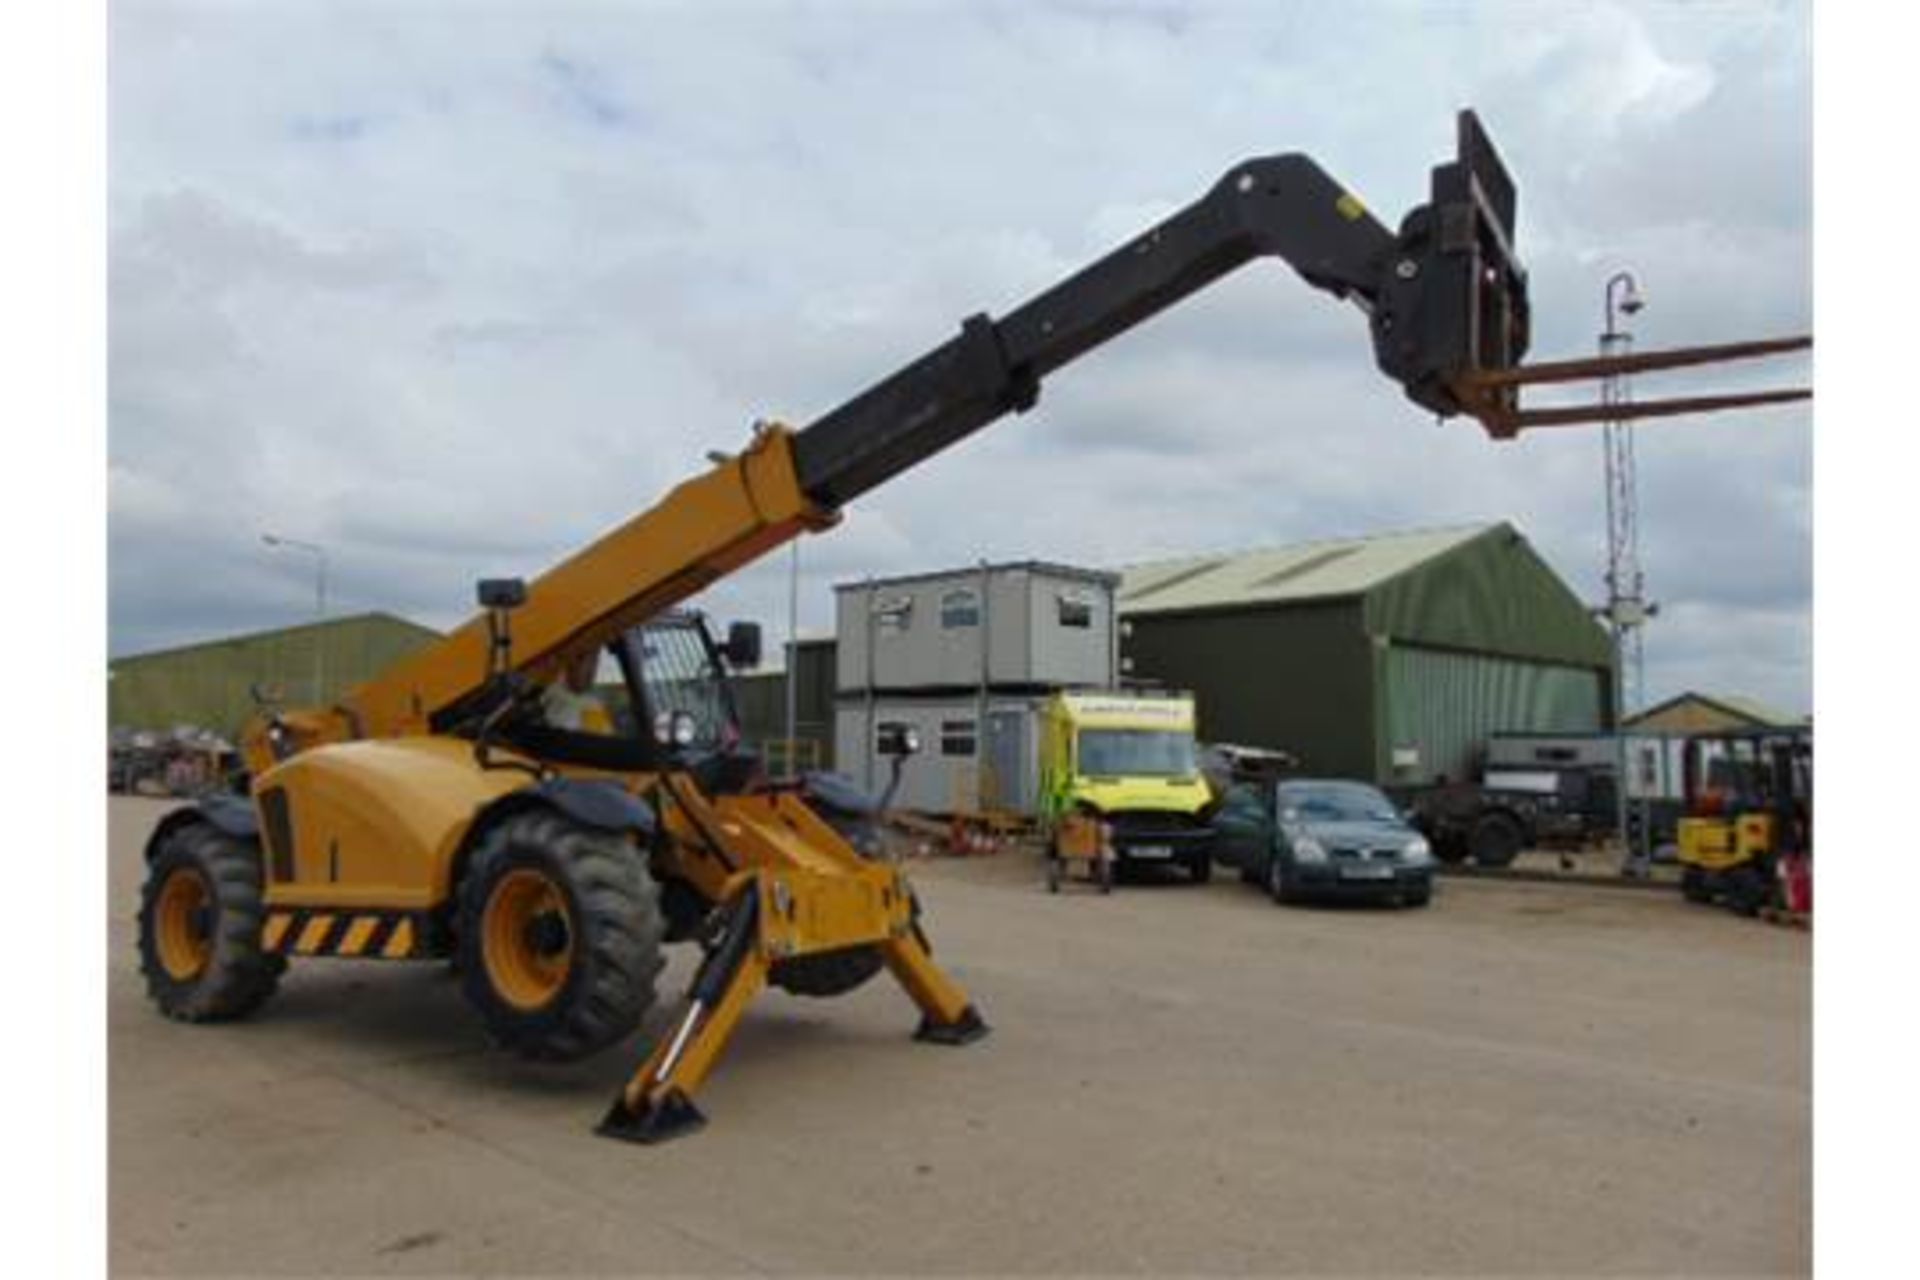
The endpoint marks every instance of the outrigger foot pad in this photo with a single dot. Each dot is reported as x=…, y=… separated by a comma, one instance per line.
x=965, y=1029
x=674, y=1116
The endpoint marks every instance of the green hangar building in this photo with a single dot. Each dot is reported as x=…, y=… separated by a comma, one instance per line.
x=1389, y=659
x=210, y=685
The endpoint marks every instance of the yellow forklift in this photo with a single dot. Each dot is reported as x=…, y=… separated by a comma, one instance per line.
x=1746, y=833
x=462, y=807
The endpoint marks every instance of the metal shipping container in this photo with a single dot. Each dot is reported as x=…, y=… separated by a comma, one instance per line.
x=967, y=763
x=1026, y=625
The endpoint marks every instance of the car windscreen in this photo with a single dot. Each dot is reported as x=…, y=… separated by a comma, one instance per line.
x=1336, y=802
x=1120, y=753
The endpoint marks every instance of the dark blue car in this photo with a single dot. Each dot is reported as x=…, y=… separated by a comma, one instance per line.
x=1313, y=837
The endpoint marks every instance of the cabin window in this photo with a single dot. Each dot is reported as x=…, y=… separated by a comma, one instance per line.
x=959, y=609
x=1075, y=609
x=957, y=737
x=893, y=614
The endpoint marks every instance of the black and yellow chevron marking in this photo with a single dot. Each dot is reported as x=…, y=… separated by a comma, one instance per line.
x=375, y=935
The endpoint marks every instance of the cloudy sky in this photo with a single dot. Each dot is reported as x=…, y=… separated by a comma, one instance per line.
x=450, y=288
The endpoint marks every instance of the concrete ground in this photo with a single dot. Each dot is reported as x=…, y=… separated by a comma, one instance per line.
x=1521, y=1079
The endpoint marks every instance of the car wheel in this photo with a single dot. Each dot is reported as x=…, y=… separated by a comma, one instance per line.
x=1277, y=887
x=1496, y=840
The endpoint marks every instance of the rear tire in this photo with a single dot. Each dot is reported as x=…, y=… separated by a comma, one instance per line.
x=1696, y=885
x=201, y=912
x=1496, y=840
x=559, y=936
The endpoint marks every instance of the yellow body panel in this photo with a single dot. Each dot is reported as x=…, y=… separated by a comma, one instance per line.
x=818, y=894
x=376, y=824
x=703, y=530
x=1717, y=844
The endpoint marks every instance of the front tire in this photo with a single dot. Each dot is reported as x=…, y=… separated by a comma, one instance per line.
x=201, y=912
x=1746, y=890
x=559, y=936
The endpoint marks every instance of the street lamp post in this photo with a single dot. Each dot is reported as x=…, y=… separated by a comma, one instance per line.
x=1626, y=607
x=319, y=554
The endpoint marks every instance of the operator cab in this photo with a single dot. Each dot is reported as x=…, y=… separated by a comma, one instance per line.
x=655, y=698
x=676, y=677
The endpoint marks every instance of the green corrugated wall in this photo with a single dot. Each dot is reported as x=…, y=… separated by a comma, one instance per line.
x=1444, y=705
x=209, y=685
x=1298, y=679
x=1484, y=638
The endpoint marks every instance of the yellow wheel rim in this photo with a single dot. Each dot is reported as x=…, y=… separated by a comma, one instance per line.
x=182, y=925
x=527, y=936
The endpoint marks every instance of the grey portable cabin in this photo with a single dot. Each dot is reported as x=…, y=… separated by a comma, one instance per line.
x=967, y=763
x=1026, y=625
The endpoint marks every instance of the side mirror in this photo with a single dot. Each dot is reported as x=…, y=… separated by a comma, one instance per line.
x=742, y=650
x=898, y=740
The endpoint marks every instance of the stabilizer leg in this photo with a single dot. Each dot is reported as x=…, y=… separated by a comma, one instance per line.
x=947, y=1016
x=657, y=1103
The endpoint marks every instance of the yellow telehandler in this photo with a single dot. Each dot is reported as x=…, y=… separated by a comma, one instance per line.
x=445, y=811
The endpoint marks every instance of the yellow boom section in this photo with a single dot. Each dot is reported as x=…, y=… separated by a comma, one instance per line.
x=703, y=530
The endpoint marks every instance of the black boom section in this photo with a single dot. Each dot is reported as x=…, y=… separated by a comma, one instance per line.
x=1280, y=206
x=1446, y=295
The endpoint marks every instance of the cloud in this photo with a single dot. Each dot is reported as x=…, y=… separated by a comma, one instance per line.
x=452, y=301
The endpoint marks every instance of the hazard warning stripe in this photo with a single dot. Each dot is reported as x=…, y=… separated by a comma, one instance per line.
x=355, y=941
x=387, y=935
x=311, y=938
x=401, y=943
